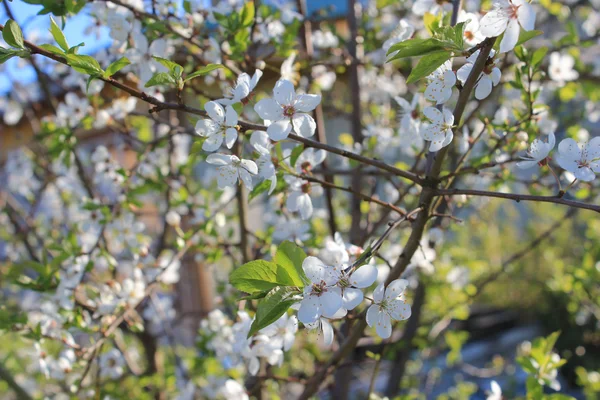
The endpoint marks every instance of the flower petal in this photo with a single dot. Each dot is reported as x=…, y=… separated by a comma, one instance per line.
x=284, y=92
x=215, y=111
x=327, y=332
x=219, y=159
x=399, y=310
x=526, y=16
x=493, y=24
x=395, y=289
x=304, y=125
x=511, y=36
x=279, y=130
x=231, y=116
x=269, y=109
x=309, y=311
x=352, y=298
x=231, y=135
x=364, y=276
x=330, y=302
x=307, y=102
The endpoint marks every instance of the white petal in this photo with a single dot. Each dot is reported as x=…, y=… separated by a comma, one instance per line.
x=315, y=269
x=395, y=289
x=493, y=24
x=511, y=36
x=309, y=310
x=305, y=206
x=399, y=310
x=526, y=164
x=526, y=16
x=260, y=138
x=331, y=302
x=352, y=298
x=483, y=88
x=231, y=135
x=213, y=142
x=307, y=102
x=464, y=72
x=372, y=315
x=378, y=292
x=304, y=125
x=433, y=114
x=364, y=276
x=227, y=176
x=279, y=130
x=327, y=332
x=231, y=116
x=246, y=178
x=383, y=326
x=219, y=159
x=584, y=174
x=215, y=111
x=284, y=92
x=250, y=166
x=205, y=127
x=405, y=105
x=269, y=109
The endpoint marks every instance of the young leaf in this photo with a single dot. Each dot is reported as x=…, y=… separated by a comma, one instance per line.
x=58, y=35
x=13, y=35
x=52, y=49
x=160, y=78
x=170, y=65
x=272, y=307
x=526, y=36
x=295, y=154
x=427, y=65
x=290, y=257
x=116, y=66
x=203, y=71
x=538, y=56
x=84, y=64
x=247, y=14
x=418, y=47
x=260, y=275
x=262, y=187
x=6, y=54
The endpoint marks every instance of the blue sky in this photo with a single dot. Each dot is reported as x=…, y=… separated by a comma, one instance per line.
x=26, y=16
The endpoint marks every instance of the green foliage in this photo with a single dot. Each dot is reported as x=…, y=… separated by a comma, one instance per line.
x=12, y=35
x=84, y=64
x=58, y=8
x=58, y=35
x=427, y=65
x=116, y=66
x=273, y=306
x=260, y=275
x=455, y=341
x=290, y=257
x=203, y=71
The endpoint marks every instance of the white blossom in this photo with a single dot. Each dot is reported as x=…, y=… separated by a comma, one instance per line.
x=388, y=304
x=221, y=126
x=231, y=168
x=508, y=16
x=538, y=152
x=439, y=131
x=582, y=160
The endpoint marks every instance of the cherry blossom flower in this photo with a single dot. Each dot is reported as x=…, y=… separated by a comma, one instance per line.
x=508, y=16
x=440, y=84
x=561, y=68
x=351, y=284
x=288, y=110
x=266, y=169
x=140, y=55
x=582, y=160
x=321, y=297
x=242, y=89
x=388, y=304
x=489, y=78
x=421, y=7
x=299, y=199
x=471, y=33
x=231, y=168
x=309, y=159
x=283, y=331
x=409, y=114
x=112, y=364
x=220, y=126
x=13, y=111
x=439, y=131
x=324, y=328
x=538, y=152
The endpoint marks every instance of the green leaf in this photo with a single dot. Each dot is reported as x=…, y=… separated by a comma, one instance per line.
x=58, y=35
x=203, y=71
x=290, y=257
x=526, y=36
x=272, y=307
x=116, y=66
x=538, y=56
x=295, y=154
x=170, y=65
x=52, y=49
x=260, y=275
x=262, y=187
x=418, y=47
x=6, y=54
x=74, y=49
x=255, y=295
x=13, y=35
x=427, y=65
x=84, y=64
x=247, y=14
x=160, y=78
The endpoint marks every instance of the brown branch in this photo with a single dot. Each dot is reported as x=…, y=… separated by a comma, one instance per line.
x=518, y=197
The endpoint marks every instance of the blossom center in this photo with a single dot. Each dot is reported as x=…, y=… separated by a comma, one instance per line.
x=513, y=11
x=319, y=288
x=289, y=111
x=306, y=188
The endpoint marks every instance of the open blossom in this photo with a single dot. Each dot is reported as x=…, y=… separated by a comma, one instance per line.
x=508, y=16
x=561, y=68
x=439, y=131
x=582, y=160
x=538, y=152
x=266, y=169
x=489, y=78
x=242, y=89
x=471, y=34
x=220, y=126
x=440, y=84
x=351, y=284
x=287, y=110
x=321, y=296
x=324, y=328
x=231, y=168
x=388, y=304
x=309, y=159
x=299, y=198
